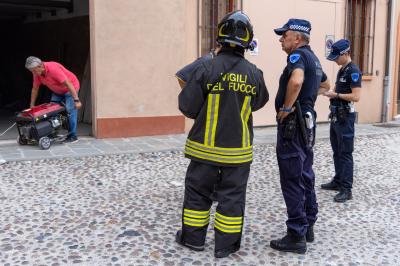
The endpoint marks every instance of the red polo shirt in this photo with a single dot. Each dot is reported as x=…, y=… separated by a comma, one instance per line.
x=54, y=76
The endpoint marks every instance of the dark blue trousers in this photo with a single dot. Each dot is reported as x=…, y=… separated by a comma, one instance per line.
x=342, y=142
x=297, y=179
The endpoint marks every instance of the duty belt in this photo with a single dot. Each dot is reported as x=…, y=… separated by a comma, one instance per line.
x=348, y=108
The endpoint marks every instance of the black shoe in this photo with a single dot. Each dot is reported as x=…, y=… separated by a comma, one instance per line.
x=290, y=243
x=331, y=186
x=343, y=196
x=71, y=139
x=310, y=234
x=179, y=240
x=225, y=252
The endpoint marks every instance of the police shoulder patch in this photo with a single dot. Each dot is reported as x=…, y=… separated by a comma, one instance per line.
x=355, y=76
x=293, y=58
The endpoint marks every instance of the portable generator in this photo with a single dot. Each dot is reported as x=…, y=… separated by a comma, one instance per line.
x=42, y=125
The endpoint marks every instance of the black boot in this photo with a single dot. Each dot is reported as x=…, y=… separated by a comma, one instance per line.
x=343, y=196
x=331, y=186
x=290, y=243
x=310, y=234
x=179, y=240
x=225, y=252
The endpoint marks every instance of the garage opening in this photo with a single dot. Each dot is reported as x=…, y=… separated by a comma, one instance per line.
x=53, y=30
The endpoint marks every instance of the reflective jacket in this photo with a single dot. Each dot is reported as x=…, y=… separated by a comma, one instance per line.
x=221, y=95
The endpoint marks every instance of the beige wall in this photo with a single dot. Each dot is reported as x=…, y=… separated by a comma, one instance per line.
x=396, y=62
x=137, y=46
x=329, y=19
x=370, y=105
x=272, y=59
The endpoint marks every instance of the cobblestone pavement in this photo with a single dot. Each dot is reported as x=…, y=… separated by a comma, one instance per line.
x=125, y=209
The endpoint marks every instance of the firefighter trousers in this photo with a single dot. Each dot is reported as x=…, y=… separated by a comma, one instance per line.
x=229, y=184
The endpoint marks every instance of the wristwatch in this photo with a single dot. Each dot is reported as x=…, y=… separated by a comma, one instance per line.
x=286, y=109
x=76, y=100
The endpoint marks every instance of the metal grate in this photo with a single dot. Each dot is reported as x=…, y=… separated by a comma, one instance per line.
x=212, y=12
x=359, y=29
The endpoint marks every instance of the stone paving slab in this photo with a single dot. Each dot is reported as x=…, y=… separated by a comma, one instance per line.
x=124, y=209
x=10, y=151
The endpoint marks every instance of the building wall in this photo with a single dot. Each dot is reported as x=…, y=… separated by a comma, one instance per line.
x=396, y=62
x=272, y=59
x=137, y=46
x=328, y=20
x=370, y=105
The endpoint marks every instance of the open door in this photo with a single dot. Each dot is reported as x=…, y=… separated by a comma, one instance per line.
x=53, y=31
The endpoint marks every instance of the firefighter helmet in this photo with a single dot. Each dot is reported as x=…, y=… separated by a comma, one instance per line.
x=235, y=28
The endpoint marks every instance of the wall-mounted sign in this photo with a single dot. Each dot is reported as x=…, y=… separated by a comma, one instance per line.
x=254, y=44
x=329, y=40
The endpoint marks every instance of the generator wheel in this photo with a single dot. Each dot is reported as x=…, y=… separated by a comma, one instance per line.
x=44, y=143
x=22, y=141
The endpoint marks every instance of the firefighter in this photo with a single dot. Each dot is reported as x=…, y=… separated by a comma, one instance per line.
x=183, y=75
x=220, y=95
x=299, y=85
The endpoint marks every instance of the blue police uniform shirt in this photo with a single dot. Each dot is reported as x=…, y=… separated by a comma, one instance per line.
x=185, y=73
x=347, y=78
x=304, y=58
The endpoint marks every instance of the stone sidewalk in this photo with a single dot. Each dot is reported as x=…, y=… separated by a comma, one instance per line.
x=88, y=146
x=124, y=209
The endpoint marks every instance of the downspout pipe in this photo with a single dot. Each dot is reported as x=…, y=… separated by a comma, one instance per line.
x=388, y=79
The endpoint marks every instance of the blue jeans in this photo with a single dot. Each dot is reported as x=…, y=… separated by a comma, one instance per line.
x=70, y=106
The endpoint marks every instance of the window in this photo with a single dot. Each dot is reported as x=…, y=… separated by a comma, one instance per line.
x=359, y=29
x=212, y=11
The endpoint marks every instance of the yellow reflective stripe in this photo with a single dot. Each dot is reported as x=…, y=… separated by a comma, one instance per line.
x=208, y=118
x=215, y=120
x=211, y=150
x=246, y=39
x=227, y=229
x=244, y=115
x=195, y=216
x=229, y=222
x=228, y=218
x=199, y=214
x=196, y=212
x=218, y=158
x=195, y=224
x=246, y=120
x=220, y=32
x=196, y=220
x=201, y=222
x=214, y=149
x=228, y=226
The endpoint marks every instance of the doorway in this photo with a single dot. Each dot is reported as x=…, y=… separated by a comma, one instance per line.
x=53, y=31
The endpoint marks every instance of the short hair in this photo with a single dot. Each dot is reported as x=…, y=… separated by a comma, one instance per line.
x=304, y=36
x=32, y=62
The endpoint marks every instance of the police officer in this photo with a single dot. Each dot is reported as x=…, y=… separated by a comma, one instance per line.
x=220, y=95
x=298, y=89
x=347, y=91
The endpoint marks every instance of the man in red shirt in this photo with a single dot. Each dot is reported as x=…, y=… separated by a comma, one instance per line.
x=64, y=85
